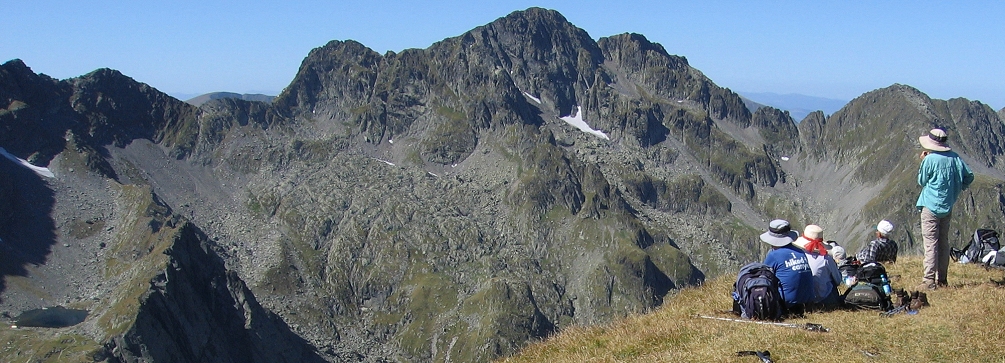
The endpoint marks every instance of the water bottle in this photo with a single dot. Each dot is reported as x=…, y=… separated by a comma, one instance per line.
x=850, y=280
x=886, y=285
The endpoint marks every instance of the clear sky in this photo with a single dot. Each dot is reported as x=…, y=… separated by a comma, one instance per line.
x=831, y=49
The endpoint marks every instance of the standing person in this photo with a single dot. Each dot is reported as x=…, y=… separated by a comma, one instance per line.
x=790, y=265
x=882, y=249
x=942, y=176
x=826, y=276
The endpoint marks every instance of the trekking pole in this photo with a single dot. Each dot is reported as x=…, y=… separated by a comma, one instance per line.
x=807, y=326
x=764, y=355
x=894, y=311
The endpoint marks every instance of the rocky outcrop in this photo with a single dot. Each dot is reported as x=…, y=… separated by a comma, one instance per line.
x=195, y=310
x=776, y=128
x=116, y=109
x=34, y=115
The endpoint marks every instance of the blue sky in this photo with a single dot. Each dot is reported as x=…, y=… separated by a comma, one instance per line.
x=826, y=49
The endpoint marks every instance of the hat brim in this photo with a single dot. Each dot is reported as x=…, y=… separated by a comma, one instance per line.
x=927, y=143
x=778, y=240
x=800, y=242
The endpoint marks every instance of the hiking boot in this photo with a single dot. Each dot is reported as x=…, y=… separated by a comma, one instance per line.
x=915, y=303
x=901, y=299
x=923, y=297
x=942, y=284
x=927, y=285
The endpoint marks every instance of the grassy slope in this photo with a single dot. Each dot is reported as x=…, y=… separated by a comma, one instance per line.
x=963, y=324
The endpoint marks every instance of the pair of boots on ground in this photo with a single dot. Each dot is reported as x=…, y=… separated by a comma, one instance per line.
x=914, y=301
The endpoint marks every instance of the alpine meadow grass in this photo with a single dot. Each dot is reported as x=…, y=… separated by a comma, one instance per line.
x=964, y=323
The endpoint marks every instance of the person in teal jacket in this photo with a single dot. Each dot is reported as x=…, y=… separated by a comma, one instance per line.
x=942, y=176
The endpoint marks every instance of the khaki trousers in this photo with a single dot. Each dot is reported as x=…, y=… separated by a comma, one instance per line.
x=935, y=234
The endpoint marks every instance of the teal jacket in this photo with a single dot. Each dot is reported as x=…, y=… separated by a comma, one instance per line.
x=942, y=176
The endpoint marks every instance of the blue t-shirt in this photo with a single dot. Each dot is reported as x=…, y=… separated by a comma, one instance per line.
x=793, y=272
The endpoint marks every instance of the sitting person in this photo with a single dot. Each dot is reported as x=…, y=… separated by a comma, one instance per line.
x=882, y=249
x=790, y=265
x=826, y=276
x=837, y=252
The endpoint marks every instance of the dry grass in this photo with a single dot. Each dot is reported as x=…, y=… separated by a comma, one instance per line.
x=965, y=323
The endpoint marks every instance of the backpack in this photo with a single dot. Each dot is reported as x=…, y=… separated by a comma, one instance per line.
x=849, y=270
x=867, y=292
x=756, y=294
x=872, y=273
x=984, y=243
x=865, y=295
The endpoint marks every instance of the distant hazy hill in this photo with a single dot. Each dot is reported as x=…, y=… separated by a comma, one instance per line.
x=798, y=105
x=199, y=100
x=751, y=104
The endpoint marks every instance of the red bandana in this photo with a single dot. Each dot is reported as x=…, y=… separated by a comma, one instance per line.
x=815, y=244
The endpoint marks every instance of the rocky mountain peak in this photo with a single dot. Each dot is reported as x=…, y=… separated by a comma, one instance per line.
x=630, y=48
x=334, y=77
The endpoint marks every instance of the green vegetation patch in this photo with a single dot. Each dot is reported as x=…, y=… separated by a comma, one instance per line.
x=262, y=205
x=31, y=345
x=430, y=296
x=450, y=139
x=451, y=113
x=82, y=229
x=136, y=257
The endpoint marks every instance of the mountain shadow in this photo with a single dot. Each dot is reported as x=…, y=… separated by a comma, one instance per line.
x=27, y=232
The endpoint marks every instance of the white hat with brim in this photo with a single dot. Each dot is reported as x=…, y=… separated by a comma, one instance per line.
x=935, y=140
x=779, y=233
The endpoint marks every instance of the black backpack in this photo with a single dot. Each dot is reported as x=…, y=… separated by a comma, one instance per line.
x=850, y=267
x=983, y=242
x=865, y=295
x=867, y=292
x=755, y=293
x=872, y=273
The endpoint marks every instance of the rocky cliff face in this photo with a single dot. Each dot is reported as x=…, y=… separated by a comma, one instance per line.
x=195, y=310
x=434, y=204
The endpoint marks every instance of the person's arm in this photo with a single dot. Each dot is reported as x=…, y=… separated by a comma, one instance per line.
x=923, y=172
x=833, y=271
x=968, y=175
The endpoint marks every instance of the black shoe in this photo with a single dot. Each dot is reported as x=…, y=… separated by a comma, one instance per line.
x=955, y=254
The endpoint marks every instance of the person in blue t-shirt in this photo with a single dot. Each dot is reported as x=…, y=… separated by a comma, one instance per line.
x=790, y=264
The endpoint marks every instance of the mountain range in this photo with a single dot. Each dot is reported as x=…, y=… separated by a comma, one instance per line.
x=798, y=105
x=203, y=98
x=444, y=204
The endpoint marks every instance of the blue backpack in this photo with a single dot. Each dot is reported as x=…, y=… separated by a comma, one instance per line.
x=756, y=294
